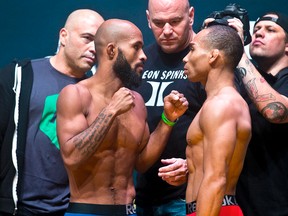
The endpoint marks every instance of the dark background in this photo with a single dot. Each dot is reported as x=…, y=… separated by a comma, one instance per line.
x=29, y=29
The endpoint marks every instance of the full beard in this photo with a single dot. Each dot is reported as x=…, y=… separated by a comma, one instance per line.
x=125, y=73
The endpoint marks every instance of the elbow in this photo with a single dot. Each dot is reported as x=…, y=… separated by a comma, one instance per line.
x=222, y=181
x=69, y=161
x=277, y=116
x=218, y=183
x=142, y=166
x=141, y=169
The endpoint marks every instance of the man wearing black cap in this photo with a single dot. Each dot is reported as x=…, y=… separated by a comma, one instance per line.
x=262, y=189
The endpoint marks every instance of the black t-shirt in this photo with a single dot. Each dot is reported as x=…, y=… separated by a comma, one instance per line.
x=262, y=189
x=163, y=73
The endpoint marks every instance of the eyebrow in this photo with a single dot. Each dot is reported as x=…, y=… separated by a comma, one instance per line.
x=167, y=20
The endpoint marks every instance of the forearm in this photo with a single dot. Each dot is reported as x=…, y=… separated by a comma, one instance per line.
x=210, y=197
x=84, y=144
x=272, y=105
x=175, y=105
x=155, y=146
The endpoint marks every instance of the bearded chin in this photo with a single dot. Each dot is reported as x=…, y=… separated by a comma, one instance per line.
x=124, y=72
x=132, y=81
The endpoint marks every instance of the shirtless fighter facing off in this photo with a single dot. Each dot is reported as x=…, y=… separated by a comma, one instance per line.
x=219, y=134
x=102, y=126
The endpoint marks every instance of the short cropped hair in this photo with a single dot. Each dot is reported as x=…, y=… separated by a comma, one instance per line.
x=227, y=40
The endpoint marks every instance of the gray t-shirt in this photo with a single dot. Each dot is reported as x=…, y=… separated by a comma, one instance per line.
x=45, y=183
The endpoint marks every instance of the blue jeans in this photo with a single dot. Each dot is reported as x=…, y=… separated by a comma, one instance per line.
x=173, y=208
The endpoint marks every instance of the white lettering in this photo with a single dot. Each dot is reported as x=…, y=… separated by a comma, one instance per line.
x=130, y=209
x=178, y=74
x=150, y=74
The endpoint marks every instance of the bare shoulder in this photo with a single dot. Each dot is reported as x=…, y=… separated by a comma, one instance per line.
x=75, y=90
x=139, y=98
x=140, y=107
x=74, y=95
x=226, y=103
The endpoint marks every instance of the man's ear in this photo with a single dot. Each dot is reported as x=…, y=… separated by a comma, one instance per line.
x=191, y=16
x=214, y=54
x=148, y=19
x=62, y=36
x=111, y=50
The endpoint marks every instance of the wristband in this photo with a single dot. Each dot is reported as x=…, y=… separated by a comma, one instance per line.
x=167, y=121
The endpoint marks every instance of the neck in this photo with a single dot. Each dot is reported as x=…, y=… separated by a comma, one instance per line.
x=217, y=80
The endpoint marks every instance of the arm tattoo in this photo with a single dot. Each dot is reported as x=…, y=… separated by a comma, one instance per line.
x=276, y=110
x=253, y=92
x=242, y=72
x=92, y=137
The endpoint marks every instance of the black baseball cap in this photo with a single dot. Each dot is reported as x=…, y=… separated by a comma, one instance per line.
x=282, y=20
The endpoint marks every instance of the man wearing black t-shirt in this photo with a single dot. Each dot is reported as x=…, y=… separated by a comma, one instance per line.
x=262, y=188
x=161, y=190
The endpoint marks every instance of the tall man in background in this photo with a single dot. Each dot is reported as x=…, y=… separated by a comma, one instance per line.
x=161, y=190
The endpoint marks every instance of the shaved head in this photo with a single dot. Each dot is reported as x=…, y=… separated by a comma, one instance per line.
x=118, y=45
x=76, y=50
x=77, y=17
x=167, y=4
x=114, y=31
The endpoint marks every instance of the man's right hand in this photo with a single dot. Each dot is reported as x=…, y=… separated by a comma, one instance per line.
x=122, y=100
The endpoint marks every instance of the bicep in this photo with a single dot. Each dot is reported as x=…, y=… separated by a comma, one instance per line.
x=219, y=140
x=70, y=117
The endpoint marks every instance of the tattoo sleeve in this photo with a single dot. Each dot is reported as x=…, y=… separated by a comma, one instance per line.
x=272, y=110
